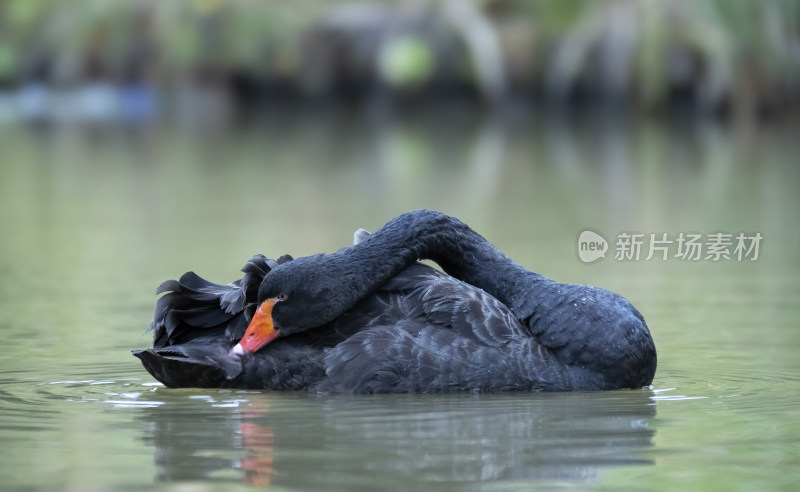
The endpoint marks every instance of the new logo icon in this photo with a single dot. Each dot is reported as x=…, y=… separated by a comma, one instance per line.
x=591, y=246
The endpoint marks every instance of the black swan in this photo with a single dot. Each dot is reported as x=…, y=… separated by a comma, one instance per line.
x=370, y=319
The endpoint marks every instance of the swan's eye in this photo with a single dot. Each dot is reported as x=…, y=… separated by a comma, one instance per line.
x=282, y=296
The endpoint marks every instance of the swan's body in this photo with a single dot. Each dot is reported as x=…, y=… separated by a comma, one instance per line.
x=370, y=319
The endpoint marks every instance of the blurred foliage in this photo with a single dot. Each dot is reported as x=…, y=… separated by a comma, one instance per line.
x=711, y=49
x=709, y=52
x=406, y=61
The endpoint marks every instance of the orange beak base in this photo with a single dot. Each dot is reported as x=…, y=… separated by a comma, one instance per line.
x=259, y=332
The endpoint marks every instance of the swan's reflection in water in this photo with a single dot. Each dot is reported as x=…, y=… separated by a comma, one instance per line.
x=311, y=442
x=259, y=443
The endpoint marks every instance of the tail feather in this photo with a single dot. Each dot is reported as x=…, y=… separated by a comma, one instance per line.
x=184, y=366
x=192, y=306
x=246, y=290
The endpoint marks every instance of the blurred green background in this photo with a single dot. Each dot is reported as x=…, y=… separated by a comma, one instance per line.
x=135, y=61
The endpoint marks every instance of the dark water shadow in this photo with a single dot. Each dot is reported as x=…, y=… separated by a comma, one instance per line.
x=407, y=442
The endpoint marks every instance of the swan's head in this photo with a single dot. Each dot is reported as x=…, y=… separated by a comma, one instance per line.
x=295, y=296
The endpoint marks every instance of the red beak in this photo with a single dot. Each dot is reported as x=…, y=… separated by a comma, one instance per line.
x=260, y=331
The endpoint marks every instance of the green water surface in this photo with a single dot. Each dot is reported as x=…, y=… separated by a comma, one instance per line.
x=92, y=220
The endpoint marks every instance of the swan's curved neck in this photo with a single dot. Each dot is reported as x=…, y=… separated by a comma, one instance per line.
x=577, y=323
x=460, y=251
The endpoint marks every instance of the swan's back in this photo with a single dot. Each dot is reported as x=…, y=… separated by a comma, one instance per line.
x=443, y=335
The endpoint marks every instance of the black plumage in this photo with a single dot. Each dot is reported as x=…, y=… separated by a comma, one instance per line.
x=369, y=319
